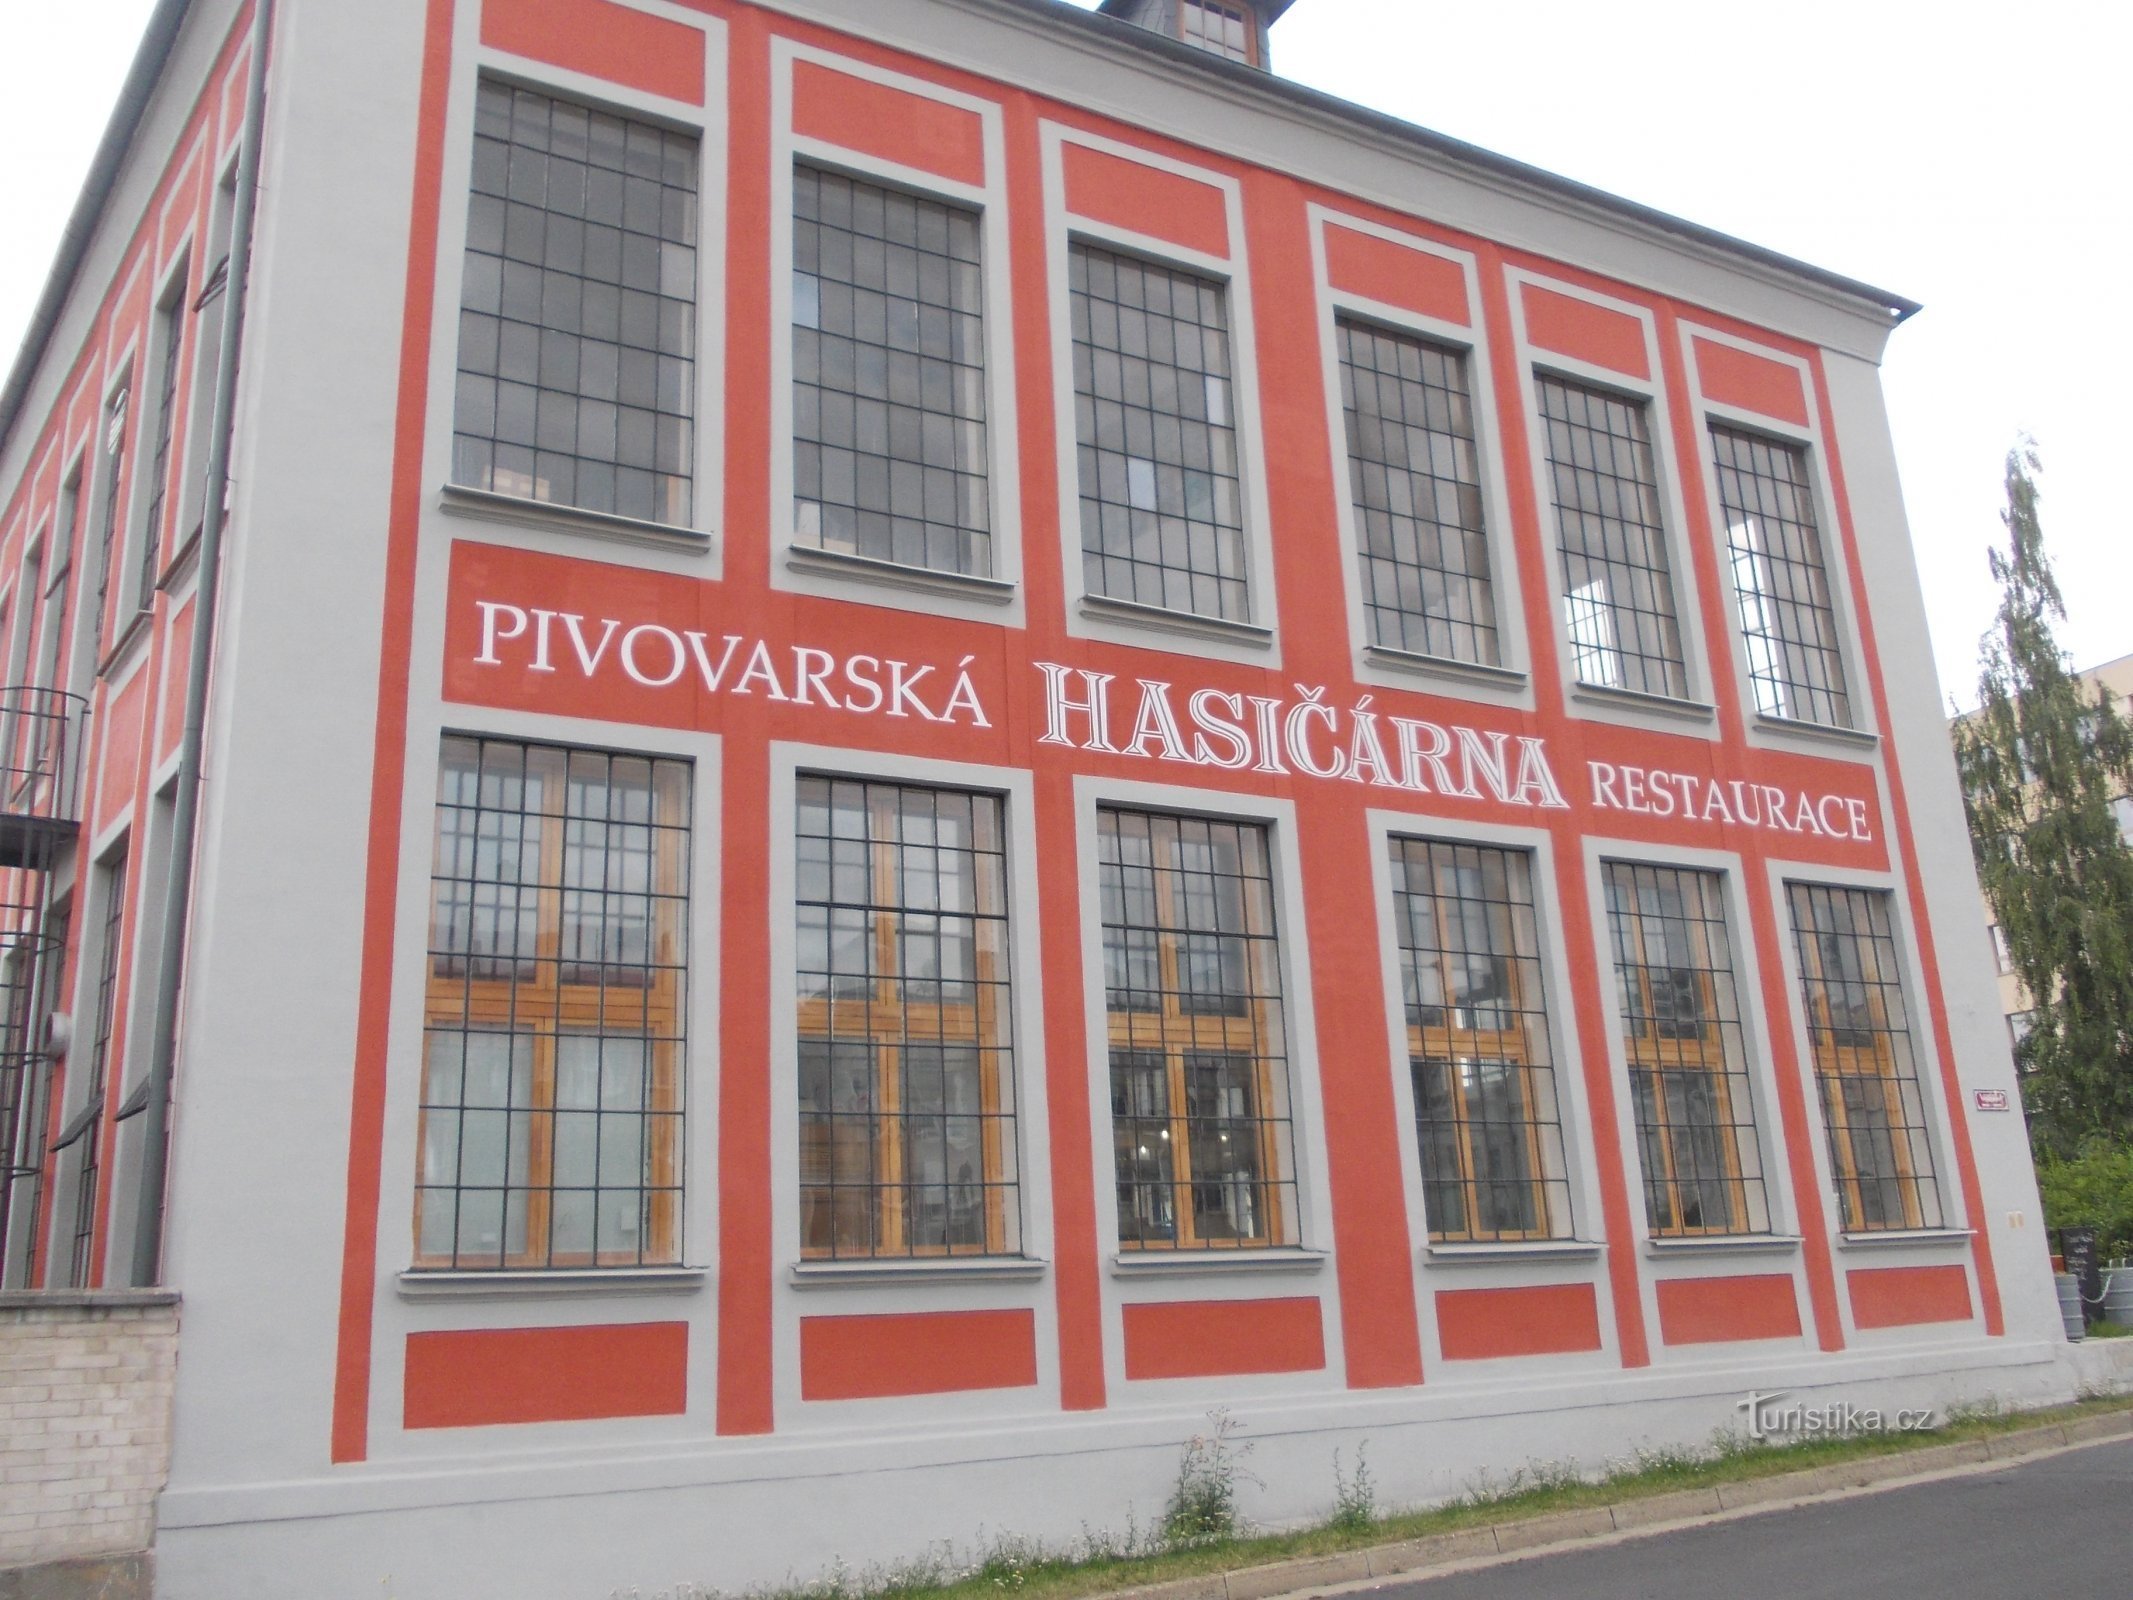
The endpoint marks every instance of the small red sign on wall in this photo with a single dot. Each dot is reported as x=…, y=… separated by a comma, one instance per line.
x=1991, y=1099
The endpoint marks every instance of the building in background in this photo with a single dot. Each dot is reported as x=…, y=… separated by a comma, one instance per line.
x=938, y=730
x=2015, y=1003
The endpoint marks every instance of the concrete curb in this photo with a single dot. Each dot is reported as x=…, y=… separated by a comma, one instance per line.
x=1644, y=1514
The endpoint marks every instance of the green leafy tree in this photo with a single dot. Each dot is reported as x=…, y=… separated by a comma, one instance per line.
x=2041, y=761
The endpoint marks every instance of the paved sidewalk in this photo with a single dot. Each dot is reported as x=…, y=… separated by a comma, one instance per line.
x=2059, y=1525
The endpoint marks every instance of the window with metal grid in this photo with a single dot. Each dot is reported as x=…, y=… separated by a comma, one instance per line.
x=1486, y=1119
x=1220, y=29
x=114, y=474
x=159, y=464
x=1200, y=1121
x=888, y=354
x=577, y=323
x=555, y=1038
x=1416, y=482
x=1618, y=590
x=86, y=1127
x=906, y=1023
x=1162, y=521
x=1866, y=1066
x=1787, y=620
x=30, y=972
x=1688, y=1067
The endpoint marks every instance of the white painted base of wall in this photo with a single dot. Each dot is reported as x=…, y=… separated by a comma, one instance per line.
x=741, y=1513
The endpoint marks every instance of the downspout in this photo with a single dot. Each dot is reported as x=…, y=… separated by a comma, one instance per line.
x=185, y=817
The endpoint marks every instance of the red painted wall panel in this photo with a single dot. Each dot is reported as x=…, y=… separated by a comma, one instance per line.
x=935, y=1352
x=475, y=1378
x=930, y=135
x=178, y=647
x=1223, y=1338
x=1163, y=205
x=1737, y=377
x=1554, y=1319
x=1717, y=1310
x=1394, y=275
x=1901, y=1297
x=1574, y=327
x=616, y=43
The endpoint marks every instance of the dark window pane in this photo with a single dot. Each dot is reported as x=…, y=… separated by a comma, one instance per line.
x=1202, y=1139
x=1618, y=592
x=1673, y=961
x=597, y=238
x=889, y=275
x=1787, y=621
x=1161, y=514
x=1866, y=1065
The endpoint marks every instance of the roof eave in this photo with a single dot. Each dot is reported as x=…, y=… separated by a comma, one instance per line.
x=139, y=89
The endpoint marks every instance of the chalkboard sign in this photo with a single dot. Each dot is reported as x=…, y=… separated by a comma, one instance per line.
x=2078, y=1246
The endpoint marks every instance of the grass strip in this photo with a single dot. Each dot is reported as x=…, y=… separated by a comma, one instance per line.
x=1104, y=1563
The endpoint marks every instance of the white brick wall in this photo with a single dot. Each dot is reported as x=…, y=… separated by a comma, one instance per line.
x=85, y=1392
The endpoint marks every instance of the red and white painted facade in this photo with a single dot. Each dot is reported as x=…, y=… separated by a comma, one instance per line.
x=732, y=1422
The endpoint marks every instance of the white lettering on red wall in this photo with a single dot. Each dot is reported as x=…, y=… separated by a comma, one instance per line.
x=1650, y=792
x=1151, y=719
x=1300, y=732
x=659, y=657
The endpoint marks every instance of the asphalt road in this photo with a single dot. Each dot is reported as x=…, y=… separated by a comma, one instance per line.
x=2062, y=1526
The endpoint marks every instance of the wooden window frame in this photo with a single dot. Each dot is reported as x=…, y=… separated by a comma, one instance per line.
x=547, y=996
x=1873, y=1064
x=1655, y=1048
x=1175, y=1033
x=1456, y=1049
x=1229, y=10
x=985, y=1026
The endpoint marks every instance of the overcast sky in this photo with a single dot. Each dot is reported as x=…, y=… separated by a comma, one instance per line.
x=1970, y=157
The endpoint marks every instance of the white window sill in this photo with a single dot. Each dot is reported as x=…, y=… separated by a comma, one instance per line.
x=1200, y=1263
x=1724, y=1244
x=917, y=1269
x=1419, y=665
x=1600, y=694
x=1897, y=1238
x=559, y=1283
x=1793, y=727
x=1513, y=1250
x=1132, y=614
x=843, y=564
x=485, y=505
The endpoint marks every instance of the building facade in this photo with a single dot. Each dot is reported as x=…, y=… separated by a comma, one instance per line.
x=938, y=731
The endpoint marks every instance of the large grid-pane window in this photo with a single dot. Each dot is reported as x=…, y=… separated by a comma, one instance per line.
x=173, y=327
x=1618, y=591
x=1787, y=620
x=906, y=1022
x=1205, y=1148
x=1688, y=1069
x=1866, y=1065
x=888, y=351
x=554, y=1039
x=1219, y=27
x=29, y=987
x=577, y=323
x=1162, y=521
x=114, y=474
x=1486, y=1122
x=86, y=1128
x=1416, y=482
